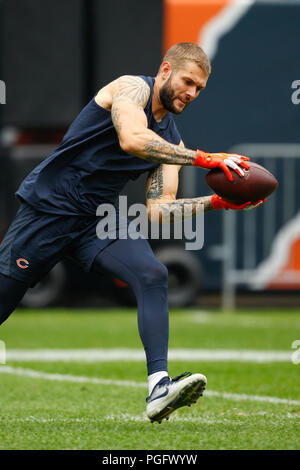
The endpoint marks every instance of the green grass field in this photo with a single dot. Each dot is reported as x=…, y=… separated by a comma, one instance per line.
x=54, y=403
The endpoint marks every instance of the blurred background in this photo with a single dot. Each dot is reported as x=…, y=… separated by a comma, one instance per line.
x=55, y=56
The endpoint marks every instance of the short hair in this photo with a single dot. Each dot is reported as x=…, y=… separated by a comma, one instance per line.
x=178, y=54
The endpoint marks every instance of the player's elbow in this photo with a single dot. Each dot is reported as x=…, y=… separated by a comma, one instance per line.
x=130, y=145
x=124, y=144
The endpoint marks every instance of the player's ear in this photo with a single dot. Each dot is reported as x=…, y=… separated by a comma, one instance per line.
x=166, y=69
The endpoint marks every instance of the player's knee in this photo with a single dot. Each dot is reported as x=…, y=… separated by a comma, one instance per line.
x=154, y=274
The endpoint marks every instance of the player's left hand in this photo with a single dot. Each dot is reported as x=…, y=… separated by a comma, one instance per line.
x=218, y=202
x=255, y=204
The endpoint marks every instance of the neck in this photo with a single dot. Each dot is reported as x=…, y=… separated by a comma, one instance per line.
x=158, y=110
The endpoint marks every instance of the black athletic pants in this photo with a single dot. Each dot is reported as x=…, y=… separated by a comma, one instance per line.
x=133, y=262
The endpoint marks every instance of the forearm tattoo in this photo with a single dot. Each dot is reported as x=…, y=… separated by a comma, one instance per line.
x=160, y=151
x=173, y=209
x=155, y=190
x=179, y=209
x=185, y=207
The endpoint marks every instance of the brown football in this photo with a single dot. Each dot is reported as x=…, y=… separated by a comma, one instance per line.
x=257, y=183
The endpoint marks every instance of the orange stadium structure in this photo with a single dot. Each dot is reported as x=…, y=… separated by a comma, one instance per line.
x=281, y=270
x=205, y=22
x=188, y=20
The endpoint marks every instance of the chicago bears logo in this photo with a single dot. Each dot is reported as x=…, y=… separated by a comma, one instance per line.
x=22, y=263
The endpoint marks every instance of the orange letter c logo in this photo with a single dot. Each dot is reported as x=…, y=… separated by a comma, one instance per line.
x=22, y=263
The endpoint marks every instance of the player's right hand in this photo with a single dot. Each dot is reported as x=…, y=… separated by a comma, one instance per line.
x=223, y=161
x=218, y=202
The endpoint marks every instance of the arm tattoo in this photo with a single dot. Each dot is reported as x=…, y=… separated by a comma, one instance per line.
x=183, y=208
x=115, y=116
x=130, y=89
x=134, y=89
x=155, y=190
x=161, y=151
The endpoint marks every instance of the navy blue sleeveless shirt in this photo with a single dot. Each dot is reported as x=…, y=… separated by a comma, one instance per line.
x=89, y=167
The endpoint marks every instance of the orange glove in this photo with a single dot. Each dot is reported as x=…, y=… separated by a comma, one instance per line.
x=218, y=202
x=255, y=204
x=222, y=160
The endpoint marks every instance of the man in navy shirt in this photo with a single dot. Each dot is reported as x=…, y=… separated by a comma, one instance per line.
x=125, y=130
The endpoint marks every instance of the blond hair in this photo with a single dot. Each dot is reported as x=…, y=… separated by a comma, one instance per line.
x=178, y=54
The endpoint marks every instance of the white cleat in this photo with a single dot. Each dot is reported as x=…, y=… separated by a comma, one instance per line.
x=170, y=394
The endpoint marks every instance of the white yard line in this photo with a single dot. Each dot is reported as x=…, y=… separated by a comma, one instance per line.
x=34, y=374
x=127, y=383
x=206, y=419
x=244, y=396
x=126, y=417
x=137, y=355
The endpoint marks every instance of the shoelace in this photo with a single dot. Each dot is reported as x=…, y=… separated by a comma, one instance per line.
x=181, y=376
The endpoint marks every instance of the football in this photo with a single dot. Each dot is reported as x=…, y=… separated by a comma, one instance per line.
x=257, y=183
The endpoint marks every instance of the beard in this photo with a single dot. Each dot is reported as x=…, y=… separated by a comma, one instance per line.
x=166, y=95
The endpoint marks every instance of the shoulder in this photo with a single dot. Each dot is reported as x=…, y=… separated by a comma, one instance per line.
x=132, y=80
x=132, y=87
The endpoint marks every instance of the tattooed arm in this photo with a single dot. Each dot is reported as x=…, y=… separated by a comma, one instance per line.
x=129, y=100
x=161, y=190
x=163, y=206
